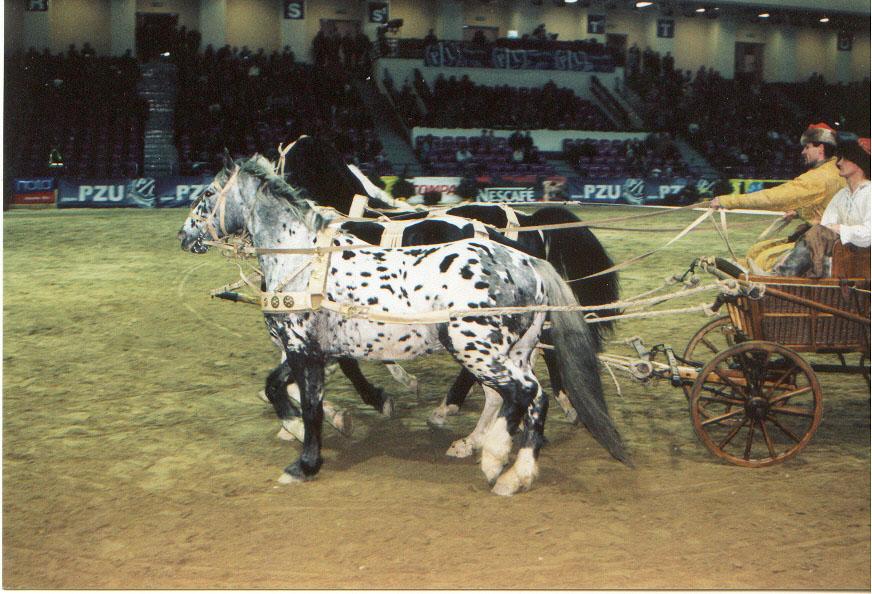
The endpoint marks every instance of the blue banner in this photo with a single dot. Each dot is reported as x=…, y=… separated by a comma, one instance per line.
x=458, y=54
x=629, y=190
x=143, y=192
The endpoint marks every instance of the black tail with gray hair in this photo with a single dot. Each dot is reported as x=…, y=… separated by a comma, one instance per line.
x=575, y=348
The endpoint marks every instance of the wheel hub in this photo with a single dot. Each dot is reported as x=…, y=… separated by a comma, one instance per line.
x=757, y=408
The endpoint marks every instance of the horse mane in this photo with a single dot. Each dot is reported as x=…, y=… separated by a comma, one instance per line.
x=297, y=200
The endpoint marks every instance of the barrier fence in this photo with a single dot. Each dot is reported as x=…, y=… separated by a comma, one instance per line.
x=180, y=191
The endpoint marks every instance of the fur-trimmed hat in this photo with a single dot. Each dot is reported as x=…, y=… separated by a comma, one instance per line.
x=854, y=149
x=819, y=133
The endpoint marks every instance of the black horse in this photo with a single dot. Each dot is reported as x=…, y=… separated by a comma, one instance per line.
x=574, y=252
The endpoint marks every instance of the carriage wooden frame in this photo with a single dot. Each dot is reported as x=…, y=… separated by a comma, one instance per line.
x=757, y=401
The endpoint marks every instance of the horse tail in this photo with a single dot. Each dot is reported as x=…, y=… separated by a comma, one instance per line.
x=576, y=253
x=575, y=349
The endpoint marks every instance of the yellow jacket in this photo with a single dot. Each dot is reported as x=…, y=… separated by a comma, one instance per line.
x=807, y=194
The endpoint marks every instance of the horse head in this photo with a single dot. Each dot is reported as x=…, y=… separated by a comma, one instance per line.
x=205, y=219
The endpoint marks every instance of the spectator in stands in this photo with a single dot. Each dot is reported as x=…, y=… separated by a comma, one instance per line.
x=430, y=38
x=55, y=162
x=806, y=196
x=462, y=154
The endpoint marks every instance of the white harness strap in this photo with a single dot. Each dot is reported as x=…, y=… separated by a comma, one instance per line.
x=392, y=237
x=313, y=297
x=358, y=205
x=512, y=221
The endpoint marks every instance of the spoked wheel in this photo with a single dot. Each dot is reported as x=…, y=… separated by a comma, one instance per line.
x=756, y=403
x=710, y=340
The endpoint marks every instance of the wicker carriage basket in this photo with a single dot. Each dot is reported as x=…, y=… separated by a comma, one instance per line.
x=809, y=322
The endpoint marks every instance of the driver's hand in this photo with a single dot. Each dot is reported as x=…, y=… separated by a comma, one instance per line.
x=789, y=215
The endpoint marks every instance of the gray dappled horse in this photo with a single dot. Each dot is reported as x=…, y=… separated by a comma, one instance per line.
x=464, y=275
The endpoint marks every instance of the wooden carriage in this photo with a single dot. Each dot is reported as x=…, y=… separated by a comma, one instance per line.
x=758, y=402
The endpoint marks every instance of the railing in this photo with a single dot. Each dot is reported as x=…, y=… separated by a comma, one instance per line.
x=602, y=93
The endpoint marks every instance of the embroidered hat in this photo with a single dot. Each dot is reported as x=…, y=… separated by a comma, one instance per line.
x=819, y=133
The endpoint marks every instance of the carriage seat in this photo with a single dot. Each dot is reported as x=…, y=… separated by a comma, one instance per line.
x=850, y=261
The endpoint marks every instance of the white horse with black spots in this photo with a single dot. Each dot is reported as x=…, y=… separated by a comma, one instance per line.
x=465, y=275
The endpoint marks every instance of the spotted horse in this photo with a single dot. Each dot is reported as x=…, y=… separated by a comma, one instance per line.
x=357, y=314
x=411, y=231
x=572, y=248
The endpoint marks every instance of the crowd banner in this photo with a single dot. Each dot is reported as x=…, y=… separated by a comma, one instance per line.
x=33, y=191
x=630, y=190
x=143, y=192
x=458, y=54
x=446, y=186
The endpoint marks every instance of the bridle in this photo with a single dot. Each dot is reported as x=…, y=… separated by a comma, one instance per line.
x=218, y=208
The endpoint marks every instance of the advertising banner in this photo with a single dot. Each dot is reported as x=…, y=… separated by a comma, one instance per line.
x=143, y=192
x=458, y=54
x=628, y=190
x=33, y=191
x=445, y=185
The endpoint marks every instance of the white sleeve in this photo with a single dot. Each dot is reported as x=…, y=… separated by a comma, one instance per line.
x=831, y=212
x=859, y=235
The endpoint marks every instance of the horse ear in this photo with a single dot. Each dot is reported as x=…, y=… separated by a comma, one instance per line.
x=228, y=160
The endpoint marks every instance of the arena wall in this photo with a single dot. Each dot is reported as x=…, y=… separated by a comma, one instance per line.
x=80, y=21
x=188, y=10
x=790, y=54
x=254, y=23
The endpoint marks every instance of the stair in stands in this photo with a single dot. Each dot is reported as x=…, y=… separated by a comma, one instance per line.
x=696, y=163
x=391, y=131
x=158, y=87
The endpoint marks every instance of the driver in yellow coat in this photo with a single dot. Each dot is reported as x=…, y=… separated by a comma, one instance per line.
x=805, y=196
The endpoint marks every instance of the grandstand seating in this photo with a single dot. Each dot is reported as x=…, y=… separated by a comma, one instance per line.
x=655, y=157
x=460, y=103
x=438, y=156
x=252, y=102
x=84, y=106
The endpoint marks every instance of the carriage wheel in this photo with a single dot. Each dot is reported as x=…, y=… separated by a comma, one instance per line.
x=756, y=403
x=710, y=340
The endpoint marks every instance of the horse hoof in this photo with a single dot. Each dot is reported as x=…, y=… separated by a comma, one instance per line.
x=507, y=485
x=462, y=448
x=436, y=418
x=287, y=479
x=387, y=409
x=440, y=414
x=491, y=466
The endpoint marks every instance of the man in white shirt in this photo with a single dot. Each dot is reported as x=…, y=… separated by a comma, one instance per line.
x=848, y=213
x=846, y=219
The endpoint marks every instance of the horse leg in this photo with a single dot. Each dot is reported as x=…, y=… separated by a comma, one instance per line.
x=278, y=382
x=526, y=468
x=463, y=448
x=454, y=399
x=308, y=372
x=375, y=397
x=557, y=386
x=403, y=377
